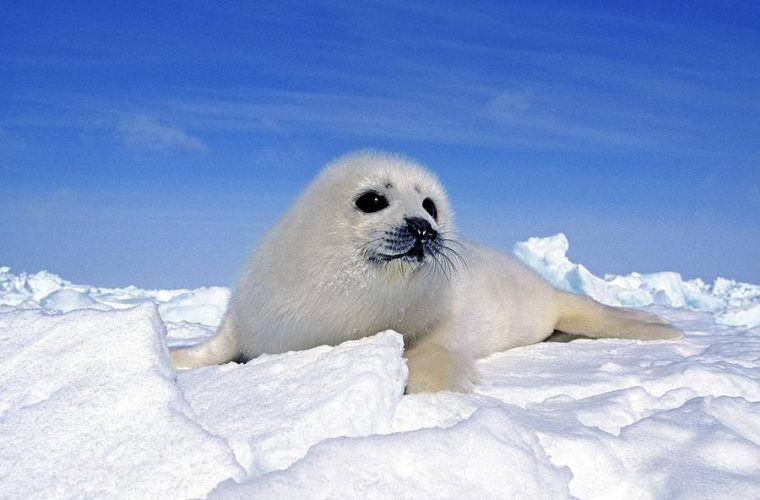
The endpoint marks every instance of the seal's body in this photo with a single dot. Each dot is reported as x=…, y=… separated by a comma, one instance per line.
x=369, y=246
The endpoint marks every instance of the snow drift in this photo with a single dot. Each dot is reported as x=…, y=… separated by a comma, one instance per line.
x=90, y=407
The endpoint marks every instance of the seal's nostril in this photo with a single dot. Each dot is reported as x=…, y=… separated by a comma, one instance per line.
x=421, y=229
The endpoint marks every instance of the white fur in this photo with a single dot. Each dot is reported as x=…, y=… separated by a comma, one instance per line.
x=309, y=283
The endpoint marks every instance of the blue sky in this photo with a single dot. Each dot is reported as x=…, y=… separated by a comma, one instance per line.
x=152, y=143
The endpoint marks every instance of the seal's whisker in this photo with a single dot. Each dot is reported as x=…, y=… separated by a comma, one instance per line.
x=449, y=263
x=441, y=266
x=457, y=255
x=443, y=236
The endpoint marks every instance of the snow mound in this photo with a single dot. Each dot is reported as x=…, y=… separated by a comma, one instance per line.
x=485, y=456
x=203, y=305
x=66, y=300
x=746, y=316
x=52, y=294
x=274, y=408
x=733, y=303
x=16, y=289
x=89, y=408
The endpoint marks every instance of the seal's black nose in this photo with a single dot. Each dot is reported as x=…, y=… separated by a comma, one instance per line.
x=421, y=229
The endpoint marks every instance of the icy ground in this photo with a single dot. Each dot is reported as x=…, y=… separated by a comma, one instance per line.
x=89, y=406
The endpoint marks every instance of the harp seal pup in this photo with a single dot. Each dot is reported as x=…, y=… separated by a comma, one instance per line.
x=370, y=246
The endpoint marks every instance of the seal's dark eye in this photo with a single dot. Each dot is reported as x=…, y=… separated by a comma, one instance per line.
x=371, y=202
x=429, y=207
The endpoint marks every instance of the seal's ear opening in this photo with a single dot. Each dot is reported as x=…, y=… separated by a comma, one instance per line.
x=370, y=202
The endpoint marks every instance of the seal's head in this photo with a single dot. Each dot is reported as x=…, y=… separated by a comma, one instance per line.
x=394, y=214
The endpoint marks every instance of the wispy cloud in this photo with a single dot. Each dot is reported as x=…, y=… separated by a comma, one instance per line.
x=517, y=116
x=146, y=132
x=509, y=103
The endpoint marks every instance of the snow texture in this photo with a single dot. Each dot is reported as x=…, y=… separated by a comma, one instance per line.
x=89, y=406
x=485, y=456
x=287, y=403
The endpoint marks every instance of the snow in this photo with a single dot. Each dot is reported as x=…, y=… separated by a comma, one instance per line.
x=732, y=303
x=485, y=456
x=53, y=294
x=348, y=390
x=89, y=406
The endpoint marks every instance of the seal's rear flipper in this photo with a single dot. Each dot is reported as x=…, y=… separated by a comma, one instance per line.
x=581, y=315
x=220, y=348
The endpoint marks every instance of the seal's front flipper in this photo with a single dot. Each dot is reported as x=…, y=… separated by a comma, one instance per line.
x=220, y=348
x=433, y=367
